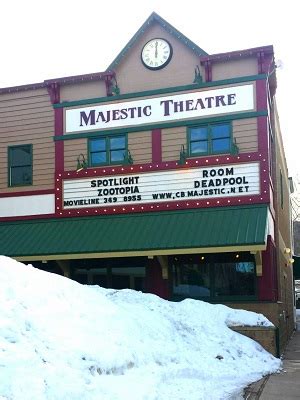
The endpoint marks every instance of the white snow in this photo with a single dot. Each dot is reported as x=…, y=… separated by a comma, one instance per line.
x=60, y=340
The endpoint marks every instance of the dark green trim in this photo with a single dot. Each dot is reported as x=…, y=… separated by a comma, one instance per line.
x=166, y=26
x=209, y=140
x=277, y=338
x=9, y=148
x=107, y=148
x=162, y=125
x=160, y=91
x=281, y=188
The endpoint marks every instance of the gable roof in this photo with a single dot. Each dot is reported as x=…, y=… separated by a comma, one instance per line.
x=165, y=25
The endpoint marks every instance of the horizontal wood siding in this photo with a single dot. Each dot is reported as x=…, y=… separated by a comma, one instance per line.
x=234, y=68
x=245, y=133
x=172, y=140
x=140, y=146
x=72, y=149
x=84, y=90
x=27, y=117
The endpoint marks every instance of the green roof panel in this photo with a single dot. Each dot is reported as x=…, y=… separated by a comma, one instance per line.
x=186, y=229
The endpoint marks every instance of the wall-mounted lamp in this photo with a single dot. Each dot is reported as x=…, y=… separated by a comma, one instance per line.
x=198, y=78
x=81, y=163
x=128, y=160
x=182, y=155
x=287, y=250
x=291, y=261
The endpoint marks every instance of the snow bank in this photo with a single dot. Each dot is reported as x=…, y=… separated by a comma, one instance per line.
x=60, y=340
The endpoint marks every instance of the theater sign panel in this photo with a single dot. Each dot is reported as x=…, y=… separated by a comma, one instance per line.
x=189, y=105
x=226, y=181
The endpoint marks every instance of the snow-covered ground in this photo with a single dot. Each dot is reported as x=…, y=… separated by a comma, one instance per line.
x=60, y=340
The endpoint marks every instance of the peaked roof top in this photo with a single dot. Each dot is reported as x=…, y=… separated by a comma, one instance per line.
x=165, y=25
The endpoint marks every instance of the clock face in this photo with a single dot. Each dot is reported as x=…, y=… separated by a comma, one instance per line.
x=156, y=53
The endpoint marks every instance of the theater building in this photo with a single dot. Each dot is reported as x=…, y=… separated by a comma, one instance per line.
x=165, y=173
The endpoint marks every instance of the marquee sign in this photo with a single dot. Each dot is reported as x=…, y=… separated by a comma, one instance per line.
x=235, y=180
x=161, y=109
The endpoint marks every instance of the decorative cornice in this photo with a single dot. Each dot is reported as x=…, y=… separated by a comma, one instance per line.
x=97, y=76
x=237, y=54
x=22, y=88
x=53, y=84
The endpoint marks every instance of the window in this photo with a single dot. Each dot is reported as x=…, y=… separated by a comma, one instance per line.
x=116, y=273
x=214, y=277
x=107, y=150
x=20, y=165
x=209, y=139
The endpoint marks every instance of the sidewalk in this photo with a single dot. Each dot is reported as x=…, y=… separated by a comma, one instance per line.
x=286, y=384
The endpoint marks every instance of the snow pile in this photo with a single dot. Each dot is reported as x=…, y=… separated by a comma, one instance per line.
x=60, y=340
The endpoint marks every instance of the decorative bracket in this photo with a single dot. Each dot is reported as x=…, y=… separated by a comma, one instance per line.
x=112, y=88
x=54, y=92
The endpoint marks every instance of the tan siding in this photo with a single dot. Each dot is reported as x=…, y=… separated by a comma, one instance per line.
x=72, y=149
x=27, y=117
x=234, y=68
x=134, y=77
x=80, y=91
x=140, y=147
x=172, y=140
x=245, y=133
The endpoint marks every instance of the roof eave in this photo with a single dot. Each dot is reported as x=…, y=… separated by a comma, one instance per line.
x=237, y=54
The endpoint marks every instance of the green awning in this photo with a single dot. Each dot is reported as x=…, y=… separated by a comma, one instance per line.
x=213, y=229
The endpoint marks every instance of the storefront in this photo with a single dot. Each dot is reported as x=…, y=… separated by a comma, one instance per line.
x=164, y=174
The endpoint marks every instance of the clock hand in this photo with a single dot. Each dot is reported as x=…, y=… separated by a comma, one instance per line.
x=156, y=43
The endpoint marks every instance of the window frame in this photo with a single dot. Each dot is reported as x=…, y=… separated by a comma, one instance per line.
x=209, y=139
x=9, y=169
x=107, y=138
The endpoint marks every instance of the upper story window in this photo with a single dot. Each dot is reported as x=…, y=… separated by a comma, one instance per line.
x=20, y=165
x=107, y=150
x=209, y=139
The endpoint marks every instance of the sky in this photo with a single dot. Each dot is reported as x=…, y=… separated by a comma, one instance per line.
x=51, y=39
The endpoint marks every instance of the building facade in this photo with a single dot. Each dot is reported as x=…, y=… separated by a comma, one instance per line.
x=165, y=173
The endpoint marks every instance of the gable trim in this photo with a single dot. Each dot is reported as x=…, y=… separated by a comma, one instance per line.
x=165, y=25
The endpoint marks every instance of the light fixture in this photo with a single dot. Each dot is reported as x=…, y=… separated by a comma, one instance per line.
x=291, y=260
x=81, y=163
x=287, y=250
x=182, y=156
